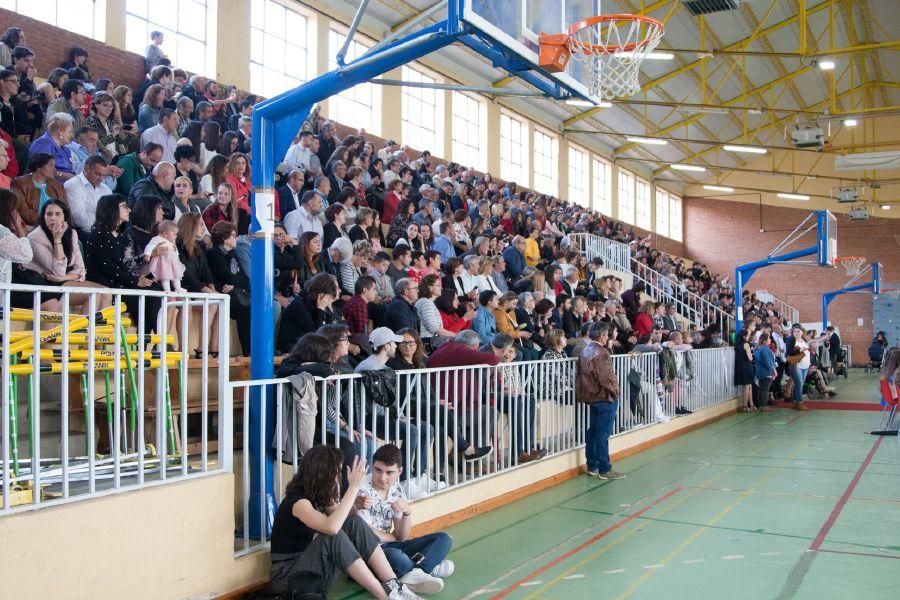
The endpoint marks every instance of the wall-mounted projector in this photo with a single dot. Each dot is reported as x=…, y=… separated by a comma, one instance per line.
x=858, y=213
x=808, y=136
x=846, y=194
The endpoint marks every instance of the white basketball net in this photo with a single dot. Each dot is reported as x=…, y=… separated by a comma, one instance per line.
x=853, y=265
x=612, y=52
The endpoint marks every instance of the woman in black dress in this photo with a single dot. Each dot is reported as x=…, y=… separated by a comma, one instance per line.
x=230, y=278
x=743, y=370
x=197, y=276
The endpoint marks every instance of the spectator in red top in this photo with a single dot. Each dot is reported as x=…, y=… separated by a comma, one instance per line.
x=238, y=170
x=391, y=201
x=356, y=309
x=448, y=305
x=643, y=324
x=462, y=385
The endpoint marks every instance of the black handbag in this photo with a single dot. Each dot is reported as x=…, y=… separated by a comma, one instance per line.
x=634, y=390
x=240, y=296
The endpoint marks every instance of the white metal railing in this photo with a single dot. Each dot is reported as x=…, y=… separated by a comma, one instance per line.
x=615, y=255
x=514, y=407
x=787, y=311
x=848, y=354
x=120, y=359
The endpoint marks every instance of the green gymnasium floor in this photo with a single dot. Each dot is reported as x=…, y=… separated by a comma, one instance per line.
x=778, y=505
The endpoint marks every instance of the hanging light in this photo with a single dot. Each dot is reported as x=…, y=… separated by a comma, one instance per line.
x=718, y=188
x=793, y=196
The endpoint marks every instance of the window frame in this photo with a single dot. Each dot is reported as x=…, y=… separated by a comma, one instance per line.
x=259, y=69
x=601, y=203
x=209, y=34
x=642, y=204
x=336, y=104
x=551, y=178
x=412, y=133
x=661, y=224
x=579, y=194
x=97, y=22
x=460, y=149
x=510, y=170
x=626, y=196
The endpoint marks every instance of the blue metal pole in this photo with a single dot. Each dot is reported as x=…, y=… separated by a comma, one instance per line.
x=827, y=297
x=275, y=123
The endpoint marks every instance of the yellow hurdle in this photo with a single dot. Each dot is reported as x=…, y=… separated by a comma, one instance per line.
x=47, y=355
x=25, y=315
x=51, y=335
x=104, y=335
x=76, y=368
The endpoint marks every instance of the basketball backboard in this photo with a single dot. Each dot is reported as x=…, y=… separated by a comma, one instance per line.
x=826, y=231
x=517, y=25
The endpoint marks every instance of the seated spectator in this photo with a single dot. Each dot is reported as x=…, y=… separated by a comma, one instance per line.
x=84, y=191
x=505, y=316
x=308, y=311
x=11, y=38
x=77, y=61
x=5, y=180
x=136, y=166
x=353, y=267
x=444, y=242
x=238, y=175
x=335, y=220
x=158, y=184
x=401, y=312
x=53, y=142
x=484, y=323
x=360, y=231
x=57, y=256
x=214, y=175
x=230, y=279
x=643, y=324
x=384, y=506
x=15, y=250
x=37, y=188
x=401, y=259
x=69, y=103
x=151, y=107
x=384, y=287
x=288, y=260
x=197, y=276
x=311, y=252
x=290, y=194
x=223, y=209
x=356, y=310
x=514, y=255
x=315, y=532
x=432, y=327
x=163, y=133
x=102, y=120
x=448, y=306
x=124, y=110
x=86, y=146
x=306, y=218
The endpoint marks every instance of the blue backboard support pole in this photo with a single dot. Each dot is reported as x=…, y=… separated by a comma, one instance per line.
x=874, y=285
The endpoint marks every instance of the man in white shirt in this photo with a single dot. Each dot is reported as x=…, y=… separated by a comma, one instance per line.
x=299, y=156
x=299, y=221
x=84, y=190
x=385, y=153
x=420, y=563
x=163, y=134
x=467, y=282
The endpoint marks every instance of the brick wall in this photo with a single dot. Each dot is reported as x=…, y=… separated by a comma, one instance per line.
x=51, y=46
x=726, y=234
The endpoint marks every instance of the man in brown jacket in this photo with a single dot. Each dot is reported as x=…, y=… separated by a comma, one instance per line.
x=596, y=385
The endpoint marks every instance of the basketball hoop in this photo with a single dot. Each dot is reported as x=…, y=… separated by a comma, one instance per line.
x=892, y=292
x=612, y=48
x=853, y=265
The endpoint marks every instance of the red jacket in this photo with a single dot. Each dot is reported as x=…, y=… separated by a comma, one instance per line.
x=463, y=386
x=643, y=325
x=454, y=323
x=391, y=202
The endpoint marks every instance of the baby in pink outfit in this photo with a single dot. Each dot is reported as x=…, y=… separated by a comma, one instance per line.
x=167, y=267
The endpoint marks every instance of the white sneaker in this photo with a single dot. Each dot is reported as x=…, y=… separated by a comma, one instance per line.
x=421, y=582
x=414, y=489
x=663, y=418
x=444, y=569
x=400, y=592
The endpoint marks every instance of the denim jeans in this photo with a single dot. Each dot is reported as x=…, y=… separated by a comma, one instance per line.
x=434, y=547
x=799, y=376
x=417, y=436
x=602, y=419
x=371, y=443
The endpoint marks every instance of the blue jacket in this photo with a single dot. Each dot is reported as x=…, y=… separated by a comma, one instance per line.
x=515, y=262
x=443, y=245
x=485, y=325
x=765, y=362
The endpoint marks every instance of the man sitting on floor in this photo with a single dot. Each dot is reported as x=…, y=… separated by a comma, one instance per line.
x=419, y=563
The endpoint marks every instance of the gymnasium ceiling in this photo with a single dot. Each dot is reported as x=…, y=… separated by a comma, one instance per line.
x=755, y=81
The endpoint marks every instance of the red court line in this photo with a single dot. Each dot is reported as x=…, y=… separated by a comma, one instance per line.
x=860, y=406
x=791, y=422
x=859, y=553
x=836, y=511
x=594, y=539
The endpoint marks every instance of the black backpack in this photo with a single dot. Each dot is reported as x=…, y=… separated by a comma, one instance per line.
x=380, y=386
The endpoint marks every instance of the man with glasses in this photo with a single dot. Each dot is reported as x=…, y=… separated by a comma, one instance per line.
x=70, y=102
x=401, y=312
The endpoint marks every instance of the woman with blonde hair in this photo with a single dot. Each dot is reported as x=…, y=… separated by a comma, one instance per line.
x=197, y=276
x=643, y=324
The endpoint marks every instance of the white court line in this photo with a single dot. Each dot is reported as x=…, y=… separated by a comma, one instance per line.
x=770, y=553
x=657, y=566
x=530, y=583
x=732, y=557
x=614, y=571
x=692, y=562
x=576, y=576
x=485, y=591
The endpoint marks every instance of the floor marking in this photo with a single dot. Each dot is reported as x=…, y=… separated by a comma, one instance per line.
x=895, y=557
x=576, y=576
x=693, y=561
x=659, y=566
x=770, y=553
x=527, y=583
x=614, y=571
x=733, y=557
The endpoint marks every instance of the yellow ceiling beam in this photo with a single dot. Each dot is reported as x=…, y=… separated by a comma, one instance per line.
x=501, y=82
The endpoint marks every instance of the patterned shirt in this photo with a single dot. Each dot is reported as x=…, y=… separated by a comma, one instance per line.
x=380, y=516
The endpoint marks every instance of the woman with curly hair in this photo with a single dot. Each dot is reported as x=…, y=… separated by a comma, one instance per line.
x=314, y=531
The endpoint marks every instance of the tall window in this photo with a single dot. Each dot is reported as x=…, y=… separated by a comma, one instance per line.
x=579, y=176
x=84, y=17
x=279, y=57
x=662, y=212
x=546, y=163
x=423, y=113
x=466, y=131
x=642, y=203
x=186, y=25
x=600, y=172
x=676, y=218
x=626, y=196
x=360, y=106
x=513, y=149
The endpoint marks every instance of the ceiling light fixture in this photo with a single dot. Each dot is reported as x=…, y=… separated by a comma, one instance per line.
x=643, y=140
x=697, y=168
x=718, y=188
x=793, y=196
x=885, y=207
x=588, y=103
x=851, y=122
x=750, y=149
x=826, y=65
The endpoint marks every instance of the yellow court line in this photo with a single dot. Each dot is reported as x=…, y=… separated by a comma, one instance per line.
x=648, y=574
x=638, y=525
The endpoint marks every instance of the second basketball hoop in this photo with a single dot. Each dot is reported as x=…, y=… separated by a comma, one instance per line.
x=612, y=48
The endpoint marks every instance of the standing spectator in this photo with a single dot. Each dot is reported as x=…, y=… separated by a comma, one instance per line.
x=163, y=134
x=799, y=360
x=327, y=142
x=743, y=369
x=764, y=370
x=230, y=278
x=154, y=53
x=597, y=386
x=84, y=191
x=11, y=38
x=23, y=65
x=35, y=189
